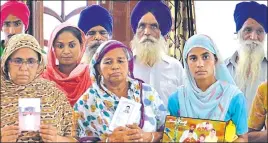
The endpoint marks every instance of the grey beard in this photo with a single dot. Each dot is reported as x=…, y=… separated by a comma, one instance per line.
x=90, y=52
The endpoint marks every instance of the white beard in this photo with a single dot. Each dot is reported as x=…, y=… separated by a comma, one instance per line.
x=149, y=50
x=251, y=54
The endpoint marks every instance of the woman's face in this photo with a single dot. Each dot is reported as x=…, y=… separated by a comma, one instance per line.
x=114, y=66
x=23, y=66
x=67, y=48
x=201, y=63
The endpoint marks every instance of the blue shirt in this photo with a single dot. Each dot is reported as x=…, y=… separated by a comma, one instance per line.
x=237, y=111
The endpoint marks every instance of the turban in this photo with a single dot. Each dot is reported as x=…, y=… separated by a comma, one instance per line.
x=254, y=10
x=16, y=8
x=93, y=16
x=160, y=11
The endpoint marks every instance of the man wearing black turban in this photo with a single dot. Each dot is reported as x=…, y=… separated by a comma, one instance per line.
x=249, y=65
x=151, y=21
x=97, y=24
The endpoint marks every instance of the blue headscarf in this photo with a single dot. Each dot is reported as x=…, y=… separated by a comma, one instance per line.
x=214, y=102
x=95, y=15
x=245, y=10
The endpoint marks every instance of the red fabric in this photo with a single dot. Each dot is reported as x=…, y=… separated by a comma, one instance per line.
x=16, y=8
x=78, y=81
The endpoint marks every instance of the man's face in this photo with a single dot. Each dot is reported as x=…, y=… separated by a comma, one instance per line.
x=252, y=30
x=11, y=26
x=148, y=27
x=95, y=36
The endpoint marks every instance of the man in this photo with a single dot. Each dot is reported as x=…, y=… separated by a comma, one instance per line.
x=14, y=20
x=248, y=65
x=97, y=24
x=151, y=21
x=258, y=117
x=189, y=135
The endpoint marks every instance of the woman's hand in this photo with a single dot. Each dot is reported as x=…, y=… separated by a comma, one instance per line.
x=136, y=134
x=9, y=133
x=48, y=133
x=117, y=135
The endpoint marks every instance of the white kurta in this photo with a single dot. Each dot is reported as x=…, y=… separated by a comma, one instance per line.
x=249, y=92
x=165, y=76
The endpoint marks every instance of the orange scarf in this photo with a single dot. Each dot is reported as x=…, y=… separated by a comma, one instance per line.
x=78, y=81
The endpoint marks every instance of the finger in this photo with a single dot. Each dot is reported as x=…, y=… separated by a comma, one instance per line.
x=47, y=137
x=132, y=131
x=44, y=126
x=120, y=128
x=133, y=126
x=135, y=137
x=10, y=132
x=12, y=138
x=10, y=128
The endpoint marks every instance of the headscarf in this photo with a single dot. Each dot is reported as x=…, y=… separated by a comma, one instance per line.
x=55, y=109
x=95, y=15
x=160, y=11
x=21, y=41
x=78, y=81
x=106, y=101
x=252, y=9
x=214, y=102
x=16, y=8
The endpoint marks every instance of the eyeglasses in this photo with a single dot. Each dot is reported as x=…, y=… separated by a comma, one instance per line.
x=31, y=62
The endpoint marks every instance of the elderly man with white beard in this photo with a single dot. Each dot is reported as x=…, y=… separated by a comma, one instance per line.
x=151, y=21
x=248, y=65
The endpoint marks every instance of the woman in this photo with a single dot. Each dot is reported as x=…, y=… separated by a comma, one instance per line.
x=66, y=49
x=20, y=79
x=111, y=74
x=209, y=91
x=258, y=117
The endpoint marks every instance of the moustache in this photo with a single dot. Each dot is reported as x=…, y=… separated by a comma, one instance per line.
x=95, y=44
x=148, y=39
x=9, y=36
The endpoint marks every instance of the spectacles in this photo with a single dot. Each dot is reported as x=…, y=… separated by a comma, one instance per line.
x=31, y=62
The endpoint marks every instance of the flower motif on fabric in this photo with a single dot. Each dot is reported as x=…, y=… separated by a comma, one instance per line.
x=150, y=120
x=162, y=108
x=93, y=108
x=85, y=97
x=108, y=104
x=99, y=120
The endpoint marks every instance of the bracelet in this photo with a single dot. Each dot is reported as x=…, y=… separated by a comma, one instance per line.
x=107, y=139
x=152, y=137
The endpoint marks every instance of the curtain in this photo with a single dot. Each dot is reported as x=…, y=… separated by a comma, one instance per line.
x=183, y=16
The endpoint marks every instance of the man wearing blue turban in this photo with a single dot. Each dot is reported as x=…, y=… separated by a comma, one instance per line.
x=151, y=21
x=248, y=65
x=97, y=24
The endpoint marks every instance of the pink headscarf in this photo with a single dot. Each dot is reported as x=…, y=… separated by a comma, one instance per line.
x=78, y=81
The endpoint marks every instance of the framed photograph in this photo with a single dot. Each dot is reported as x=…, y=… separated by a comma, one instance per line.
x=29, y=114
x=126, y=113
x=183, y=129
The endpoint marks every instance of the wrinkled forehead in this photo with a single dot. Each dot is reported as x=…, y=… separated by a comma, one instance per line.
x=252, y=23
x=148, y=18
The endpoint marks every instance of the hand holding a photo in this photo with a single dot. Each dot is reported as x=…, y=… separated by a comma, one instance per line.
x=9, y=133
x=48, y=133
x=117, y=135
x=136, y=134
